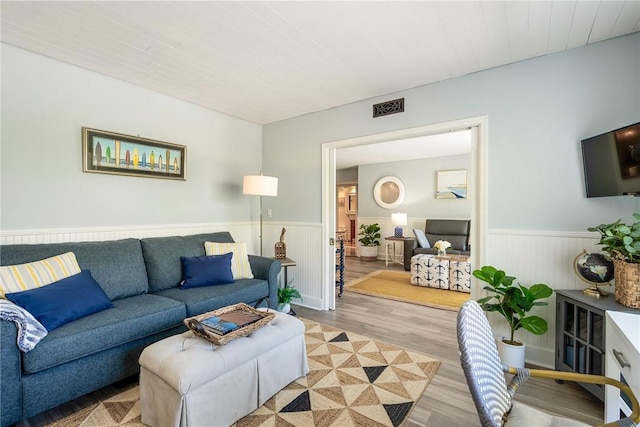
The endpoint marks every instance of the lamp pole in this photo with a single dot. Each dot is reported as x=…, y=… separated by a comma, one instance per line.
x=260, y=225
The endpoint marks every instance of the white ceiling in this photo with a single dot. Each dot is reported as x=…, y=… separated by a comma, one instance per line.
x=268, y=61
x=446, y=144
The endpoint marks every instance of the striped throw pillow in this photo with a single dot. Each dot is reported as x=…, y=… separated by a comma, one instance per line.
x=240, y=267
x=22, y=277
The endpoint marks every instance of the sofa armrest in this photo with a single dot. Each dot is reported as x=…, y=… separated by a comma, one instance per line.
x=409, y=245
x=267, y=269
x=10, y=375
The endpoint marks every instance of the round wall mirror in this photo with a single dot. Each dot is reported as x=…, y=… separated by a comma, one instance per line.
x=388, y=192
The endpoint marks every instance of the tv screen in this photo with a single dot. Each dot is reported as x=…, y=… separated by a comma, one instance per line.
x=612, y=162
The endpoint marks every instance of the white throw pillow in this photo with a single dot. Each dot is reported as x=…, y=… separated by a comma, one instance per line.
x=240, y=267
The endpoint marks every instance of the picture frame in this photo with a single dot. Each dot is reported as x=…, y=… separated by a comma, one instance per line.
x=340, y=202
x=118, y=154
x=451, y=184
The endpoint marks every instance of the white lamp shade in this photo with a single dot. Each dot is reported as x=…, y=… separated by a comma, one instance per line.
x=399, y=218
x=260, y=185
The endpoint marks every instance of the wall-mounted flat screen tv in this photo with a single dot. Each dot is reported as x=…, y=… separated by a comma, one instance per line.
x=612, y=162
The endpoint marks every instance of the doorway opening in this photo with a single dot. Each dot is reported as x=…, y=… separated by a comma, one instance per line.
x=347, y=215
x=477, y=189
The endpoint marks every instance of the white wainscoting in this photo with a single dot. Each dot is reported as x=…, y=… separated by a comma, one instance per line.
x=538, y=257
x=239, y=231
x=303, y=243
x=531, y=256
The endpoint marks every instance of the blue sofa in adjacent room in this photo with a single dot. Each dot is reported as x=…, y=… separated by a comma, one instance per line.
x=141, y=278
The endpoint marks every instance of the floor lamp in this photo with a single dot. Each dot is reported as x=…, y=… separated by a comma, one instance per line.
x=260, y=185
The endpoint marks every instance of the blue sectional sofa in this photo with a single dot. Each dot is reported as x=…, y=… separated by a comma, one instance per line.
x=141, y=278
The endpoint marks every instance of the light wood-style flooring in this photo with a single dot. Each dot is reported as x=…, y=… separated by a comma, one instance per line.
x=447, y=401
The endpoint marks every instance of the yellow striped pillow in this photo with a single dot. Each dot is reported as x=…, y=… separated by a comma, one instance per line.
x=22, y=277
x=240, y=267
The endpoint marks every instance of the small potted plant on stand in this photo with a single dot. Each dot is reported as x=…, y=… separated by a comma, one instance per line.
x=370, y=241
x=513, y=302
x=285, y=295
x=622, y=243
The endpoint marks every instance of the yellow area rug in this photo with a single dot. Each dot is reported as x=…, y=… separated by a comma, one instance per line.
x=397, y=285
x=353, y=381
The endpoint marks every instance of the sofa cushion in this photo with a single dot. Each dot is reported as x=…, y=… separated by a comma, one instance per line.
x=240, y=266
x=64, y=301
x=162, y=256
x=206, y=270
x=31, y=275
x=422, y=240
x=201, y=300
x=129, y=319
x=116, y=264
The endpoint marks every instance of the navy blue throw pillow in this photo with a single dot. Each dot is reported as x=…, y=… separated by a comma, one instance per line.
x=63, y=301
x=205, y=270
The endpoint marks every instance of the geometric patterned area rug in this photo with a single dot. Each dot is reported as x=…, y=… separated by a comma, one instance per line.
x=352, y=381
x=396, y=285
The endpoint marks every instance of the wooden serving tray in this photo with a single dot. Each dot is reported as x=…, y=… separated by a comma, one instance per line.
x=194, y=324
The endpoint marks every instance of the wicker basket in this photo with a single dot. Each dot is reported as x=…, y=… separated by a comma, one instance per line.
x=627, y=277
x=199, y=330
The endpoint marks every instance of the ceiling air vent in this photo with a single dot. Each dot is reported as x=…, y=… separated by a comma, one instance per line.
x=389, y=107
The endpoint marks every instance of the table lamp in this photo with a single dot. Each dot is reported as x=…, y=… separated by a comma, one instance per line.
x=398, y=219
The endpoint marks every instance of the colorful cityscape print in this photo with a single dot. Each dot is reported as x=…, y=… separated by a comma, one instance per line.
x=127, y=155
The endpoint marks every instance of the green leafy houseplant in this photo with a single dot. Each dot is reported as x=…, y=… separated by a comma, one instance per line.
x=513, y=301
x=286, y=294
x=370, y=234
x=619, y=240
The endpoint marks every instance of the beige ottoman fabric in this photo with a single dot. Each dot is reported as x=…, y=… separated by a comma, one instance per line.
x=188, y=381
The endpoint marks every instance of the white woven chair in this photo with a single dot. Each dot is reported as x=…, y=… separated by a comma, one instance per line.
x=486, y=380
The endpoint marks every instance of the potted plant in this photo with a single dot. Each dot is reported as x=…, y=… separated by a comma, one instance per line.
x=619, y=240
x=513, y=302
x=370, y=241
x=622, y=242
x=285, y=295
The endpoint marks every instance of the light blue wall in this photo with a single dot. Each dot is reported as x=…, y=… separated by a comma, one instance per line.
x=538, y=111
x=45, y=103
x=347, y=175
x=419, y=179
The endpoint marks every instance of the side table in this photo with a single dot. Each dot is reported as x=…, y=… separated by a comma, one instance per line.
x=389, y=242
x=285, y=264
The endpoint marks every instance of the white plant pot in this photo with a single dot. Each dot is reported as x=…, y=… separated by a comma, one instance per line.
x=511, y=355
x=284, y=307
x=369, y=253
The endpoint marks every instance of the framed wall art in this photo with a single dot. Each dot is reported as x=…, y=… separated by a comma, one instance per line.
x=451, y=184
x=115, y=153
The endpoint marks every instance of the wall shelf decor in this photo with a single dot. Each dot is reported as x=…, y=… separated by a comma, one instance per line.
x=451, y=184
x=115, y=153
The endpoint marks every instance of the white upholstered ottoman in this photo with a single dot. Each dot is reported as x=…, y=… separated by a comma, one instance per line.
x=452, y=272
x=188, y=381
x=429, y=271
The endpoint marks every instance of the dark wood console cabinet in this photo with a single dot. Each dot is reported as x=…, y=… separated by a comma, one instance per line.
x=580, y=334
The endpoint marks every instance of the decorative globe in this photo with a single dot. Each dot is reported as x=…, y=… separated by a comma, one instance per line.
x=595, y=268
